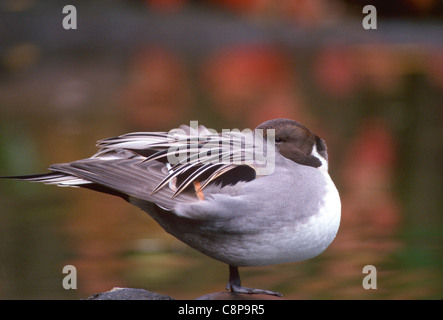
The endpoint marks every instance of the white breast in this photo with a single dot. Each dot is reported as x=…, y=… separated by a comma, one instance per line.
x=304, y=239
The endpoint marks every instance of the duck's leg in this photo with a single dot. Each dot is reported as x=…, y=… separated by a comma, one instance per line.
x=234, y=284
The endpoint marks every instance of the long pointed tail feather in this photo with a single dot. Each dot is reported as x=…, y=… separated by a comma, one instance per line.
x=65, y=180
x=59, y=179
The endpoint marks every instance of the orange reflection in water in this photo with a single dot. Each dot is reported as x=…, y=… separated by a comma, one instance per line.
x=252, y=84
x=157, y=94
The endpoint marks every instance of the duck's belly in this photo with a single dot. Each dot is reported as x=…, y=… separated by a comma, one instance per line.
x=303, y=240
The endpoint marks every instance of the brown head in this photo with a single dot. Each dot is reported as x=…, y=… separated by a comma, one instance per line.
x=295, y=142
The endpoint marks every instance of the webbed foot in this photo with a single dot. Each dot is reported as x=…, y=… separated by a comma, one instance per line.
x=234, y=285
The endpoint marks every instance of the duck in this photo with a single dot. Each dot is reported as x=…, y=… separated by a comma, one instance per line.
x=245, y=198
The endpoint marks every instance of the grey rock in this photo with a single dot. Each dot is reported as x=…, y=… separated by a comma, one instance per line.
x=128, y=294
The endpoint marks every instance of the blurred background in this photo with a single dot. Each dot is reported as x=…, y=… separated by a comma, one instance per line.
x=375, y=96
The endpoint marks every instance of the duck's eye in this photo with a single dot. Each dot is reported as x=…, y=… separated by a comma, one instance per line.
x=277, y=139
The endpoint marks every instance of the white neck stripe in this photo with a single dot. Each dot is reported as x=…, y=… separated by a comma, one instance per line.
x=324, y=162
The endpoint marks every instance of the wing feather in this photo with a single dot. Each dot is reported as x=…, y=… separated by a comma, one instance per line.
x=138, y=165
